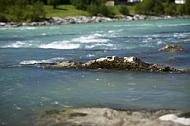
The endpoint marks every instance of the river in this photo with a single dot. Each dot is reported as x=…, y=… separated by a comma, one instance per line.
x=28, y=90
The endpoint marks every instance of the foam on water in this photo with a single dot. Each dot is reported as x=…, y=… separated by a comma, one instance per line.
x=93, y=38
x=105, y=46
x=17, y=44
x=60, y=45
x=90, y=55
x=28, y=28
x=52, y=60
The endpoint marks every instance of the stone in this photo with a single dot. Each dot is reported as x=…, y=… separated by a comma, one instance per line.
x=130, y=18
x=2, y=23
x=171, y=48
x=161, y=68
x=136, y=17
x=34, y=24
x=25, y=24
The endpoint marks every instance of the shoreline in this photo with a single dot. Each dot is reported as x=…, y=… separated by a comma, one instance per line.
x=113, y=117
x=83, y=20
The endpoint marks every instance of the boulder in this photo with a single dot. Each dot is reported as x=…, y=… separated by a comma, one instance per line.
x=34, y=24
x=171, y=48
x=130, y=18
x=83, y=19
x=2, y=23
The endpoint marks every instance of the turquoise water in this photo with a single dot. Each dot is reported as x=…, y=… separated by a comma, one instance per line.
x=28, y=90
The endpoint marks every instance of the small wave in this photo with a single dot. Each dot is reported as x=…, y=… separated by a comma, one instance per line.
x=93, y=38
x=74, y=43
x=90, y=55
x=28, y=28
x=99, y=45
x=60, y=45
x=160, y=42
x=17, y=44
x=32, y=62
x=21, y=44
x=181, y=35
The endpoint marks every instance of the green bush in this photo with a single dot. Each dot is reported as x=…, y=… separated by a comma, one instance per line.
x=20, y=11
x=149, y=7
x=3, y=17
x=38, y=12
x=158, y=8
x=124, y=10
x=187, y=7
x=139, y=8
x=54, y=3
x=106, y=11
x=93, y=10
x=81, y=4
x=170, y=9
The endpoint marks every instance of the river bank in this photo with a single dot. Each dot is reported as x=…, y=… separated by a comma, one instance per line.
x=84, y=19
x=111, y=117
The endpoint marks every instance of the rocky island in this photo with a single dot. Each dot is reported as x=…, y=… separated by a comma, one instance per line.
x=113, y=62
x=171, y=48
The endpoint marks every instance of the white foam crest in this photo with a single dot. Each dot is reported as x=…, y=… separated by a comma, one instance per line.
x=174, y=118
x=170, y=25
x=31, y=62
x=98, y=45
x=93, y=38
x=181, y=35
x=90, y=55
x=147, y=40
x=60, y=45
x=43, y=33
x=17, y=44
x=28, y=28
x=159, y=42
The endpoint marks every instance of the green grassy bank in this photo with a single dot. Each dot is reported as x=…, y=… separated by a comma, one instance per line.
x=64, y=11
x=70, y=10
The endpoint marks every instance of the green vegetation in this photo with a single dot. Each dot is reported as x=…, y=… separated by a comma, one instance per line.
x=97, y=7
x=123, y=9
x=37, y=10
x=187, y=7
x=54, y=3
x=83, y=4
x=20, y=10
x=64, y=11
x=157, y=7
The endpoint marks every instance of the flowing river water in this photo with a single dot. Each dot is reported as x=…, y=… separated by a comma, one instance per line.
x=27, y=90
